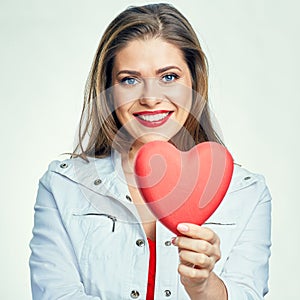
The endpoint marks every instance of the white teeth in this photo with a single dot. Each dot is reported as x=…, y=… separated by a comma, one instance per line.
x=153, y=118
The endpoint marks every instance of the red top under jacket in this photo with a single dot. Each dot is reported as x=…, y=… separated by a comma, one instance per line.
x=151, y=272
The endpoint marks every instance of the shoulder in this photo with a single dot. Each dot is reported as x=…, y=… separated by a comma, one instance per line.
x=60, y=165
x=247, y=191
x=247, y=185
x=242, y=178
x=76, y=169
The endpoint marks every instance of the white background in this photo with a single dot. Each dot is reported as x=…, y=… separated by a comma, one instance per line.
x=46, y=51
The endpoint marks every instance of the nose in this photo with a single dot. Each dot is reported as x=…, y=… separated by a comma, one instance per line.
x=151, y=94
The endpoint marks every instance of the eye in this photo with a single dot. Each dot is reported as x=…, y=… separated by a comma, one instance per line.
x=170, y=77
x=129, y=81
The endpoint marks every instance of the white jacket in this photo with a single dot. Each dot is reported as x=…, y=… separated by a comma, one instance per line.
x=88, y=242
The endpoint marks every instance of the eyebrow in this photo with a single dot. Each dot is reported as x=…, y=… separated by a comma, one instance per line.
x=159, y=71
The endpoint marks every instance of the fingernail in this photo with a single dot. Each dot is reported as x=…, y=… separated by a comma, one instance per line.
x=182, y=227
x=173, y=240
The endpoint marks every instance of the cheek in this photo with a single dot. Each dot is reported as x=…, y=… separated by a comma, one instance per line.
x=123, y=96
x=120, y=113
x=121, y=106
x=181, y=96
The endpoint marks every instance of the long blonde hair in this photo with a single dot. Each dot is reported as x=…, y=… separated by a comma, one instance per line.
x=99, y=124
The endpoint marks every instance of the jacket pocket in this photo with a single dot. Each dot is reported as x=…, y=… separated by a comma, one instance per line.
x=99, y=229
x=96, y=218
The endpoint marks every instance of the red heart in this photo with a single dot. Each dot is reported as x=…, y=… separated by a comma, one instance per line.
x=183, y=186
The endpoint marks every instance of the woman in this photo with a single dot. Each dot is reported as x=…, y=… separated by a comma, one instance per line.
x=94, y=237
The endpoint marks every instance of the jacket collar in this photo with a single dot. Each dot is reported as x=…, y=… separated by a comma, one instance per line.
x=98, y=174
x=241, y=178
x=106, y=176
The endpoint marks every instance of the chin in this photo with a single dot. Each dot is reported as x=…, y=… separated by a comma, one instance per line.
x=151, y=138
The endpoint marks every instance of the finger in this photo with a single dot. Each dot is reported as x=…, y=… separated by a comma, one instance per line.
x=198, y=232
x=199, y=246
x=193, y=273
x=200, y=260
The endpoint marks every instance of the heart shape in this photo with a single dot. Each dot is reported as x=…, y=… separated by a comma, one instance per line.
x=181, y=187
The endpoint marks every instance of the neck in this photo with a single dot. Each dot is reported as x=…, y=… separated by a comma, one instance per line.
x=129, y=157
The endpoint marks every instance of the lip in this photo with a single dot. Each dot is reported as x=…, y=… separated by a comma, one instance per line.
x=153, y=123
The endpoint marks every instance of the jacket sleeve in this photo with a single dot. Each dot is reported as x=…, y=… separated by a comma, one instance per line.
x=246, y=271
x=53, y=264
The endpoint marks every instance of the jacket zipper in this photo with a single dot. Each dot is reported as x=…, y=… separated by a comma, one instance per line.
x=114, y=219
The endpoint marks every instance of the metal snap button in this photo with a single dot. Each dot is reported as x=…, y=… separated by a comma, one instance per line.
x=140, y=242
x=97, y=181
x=134, y=294
x=168, y=293
x=168, y=243
x=247, y=178
x=128, y=198
x=63, y=165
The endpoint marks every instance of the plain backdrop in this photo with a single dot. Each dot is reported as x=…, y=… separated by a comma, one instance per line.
x=46, y=51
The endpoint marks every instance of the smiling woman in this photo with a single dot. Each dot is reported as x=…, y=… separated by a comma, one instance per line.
x=172, y=39
x=94, y=237
x=152, y=90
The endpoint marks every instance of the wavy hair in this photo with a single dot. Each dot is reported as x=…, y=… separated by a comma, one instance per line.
x=99, y=128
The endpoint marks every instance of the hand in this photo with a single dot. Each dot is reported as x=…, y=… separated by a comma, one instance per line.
x=199, y=250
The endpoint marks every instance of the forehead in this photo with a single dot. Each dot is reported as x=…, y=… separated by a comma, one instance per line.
x=153, y=52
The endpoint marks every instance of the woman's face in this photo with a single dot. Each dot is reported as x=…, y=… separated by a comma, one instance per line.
x=152, y=89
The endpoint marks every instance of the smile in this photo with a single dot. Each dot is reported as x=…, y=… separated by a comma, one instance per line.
x=153, y=118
